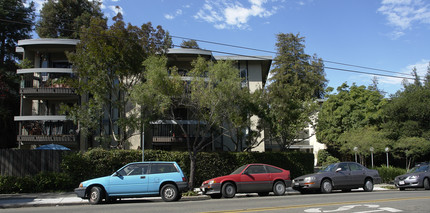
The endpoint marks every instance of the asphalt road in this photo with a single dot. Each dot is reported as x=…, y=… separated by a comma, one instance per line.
x=359, y=201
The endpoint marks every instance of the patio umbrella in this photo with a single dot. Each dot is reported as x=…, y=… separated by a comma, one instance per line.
x=52, y=147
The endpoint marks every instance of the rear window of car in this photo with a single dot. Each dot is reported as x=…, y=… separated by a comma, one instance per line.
x=158, y=168
x=273, y=169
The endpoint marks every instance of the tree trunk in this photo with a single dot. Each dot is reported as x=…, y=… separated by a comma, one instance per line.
x=192, y=168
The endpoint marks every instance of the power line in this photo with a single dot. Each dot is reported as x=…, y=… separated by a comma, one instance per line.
x=235, y=54
x=266, y=51
x=272, y=52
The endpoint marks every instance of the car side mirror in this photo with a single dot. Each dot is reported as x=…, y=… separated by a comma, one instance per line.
x=338, y=169
x=245, y=173
x=116, y=174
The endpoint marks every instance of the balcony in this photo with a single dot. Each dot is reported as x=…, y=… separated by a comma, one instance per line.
x=38, y=132
x=46, y=85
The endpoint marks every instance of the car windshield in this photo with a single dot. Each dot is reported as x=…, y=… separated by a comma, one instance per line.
x=417, y=169
x=238, y=170
x=329, y=168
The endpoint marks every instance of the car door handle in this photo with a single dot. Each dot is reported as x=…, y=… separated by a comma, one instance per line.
x=142, y=177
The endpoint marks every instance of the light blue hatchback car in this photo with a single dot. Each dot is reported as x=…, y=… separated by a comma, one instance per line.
x=139, y=179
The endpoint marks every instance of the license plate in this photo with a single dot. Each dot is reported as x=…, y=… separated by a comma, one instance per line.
x=401, y=182
x=296, y=183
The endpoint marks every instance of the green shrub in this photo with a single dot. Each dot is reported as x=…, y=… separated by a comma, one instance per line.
x=388, y=174
x=78, y=166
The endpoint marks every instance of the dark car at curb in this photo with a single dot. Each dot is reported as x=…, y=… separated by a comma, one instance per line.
x=139, y=179
x=338, y=176
x=417, y=177
x=249, y=178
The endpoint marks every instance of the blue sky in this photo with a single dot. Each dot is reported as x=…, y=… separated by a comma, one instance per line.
x=392, y=35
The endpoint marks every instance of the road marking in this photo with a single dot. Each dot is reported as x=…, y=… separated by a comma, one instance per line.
x=318, y=205
x=347, y=208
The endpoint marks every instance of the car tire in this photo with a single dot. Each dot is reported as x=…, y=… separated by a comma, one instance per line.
x=96, y=195
x=279, y=188
x=326, y=186
x=169, y=193
x=216, y=196
x=426, y=184
x=228, y=190
x=263, y=194
x=368, y=185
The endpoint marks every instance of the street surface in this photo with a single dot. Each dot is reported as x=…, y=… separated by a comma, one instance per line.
x=356, y=201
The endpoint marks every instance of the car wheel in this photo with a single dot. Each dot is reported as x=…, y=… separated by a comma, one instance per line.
x=263, y=193
x=228, y=190
x=279, y=188
x=95, y=195
x=169, y=193
x=426, y=184
x=326, y=186
x=368, y=185
x=216, y=196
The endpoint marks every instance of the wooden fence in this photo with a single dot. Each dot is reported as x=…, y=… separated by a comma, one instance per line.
x=29, y=162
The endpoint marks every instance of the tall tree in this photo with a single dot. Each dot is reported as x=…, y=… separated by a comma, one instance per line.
x=206, y=95
x=190, y=44
x=64, y=18
x=108, y=63
x=351, y=108
x=407, y=118
x=16, y=24
x=297, y=81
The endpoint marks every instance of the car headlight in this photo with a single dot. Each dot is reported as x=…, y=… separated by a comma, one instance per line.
x=413, y=177
x=212, y=182
x=81, y=185
x=309, y=179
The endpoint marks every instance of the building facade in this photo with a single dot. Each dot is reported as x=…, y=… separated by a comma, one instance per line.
x=43, y=90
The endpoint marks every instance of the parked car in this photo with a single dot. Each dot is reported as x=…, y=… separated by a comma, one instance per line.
x=417, y=177
x=139, y=179
x=343, y=175
x=250, y=178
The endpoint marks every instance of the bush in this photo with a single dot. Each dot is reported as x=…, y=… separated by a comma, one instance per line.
x=77, y=166
x=324, y=158
x=388, y=174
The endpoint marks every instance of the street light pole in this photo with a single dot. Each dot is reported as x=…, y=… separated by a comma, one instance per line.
x=371, y=153
x=355, y=150
x=386, y=150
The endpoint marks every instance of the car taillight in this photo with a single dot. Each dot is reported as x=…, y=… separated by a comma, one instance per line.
x=184, y=179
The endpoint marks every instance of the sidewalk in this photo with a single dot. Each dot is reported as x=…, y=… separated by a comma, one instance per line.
x=70, y=198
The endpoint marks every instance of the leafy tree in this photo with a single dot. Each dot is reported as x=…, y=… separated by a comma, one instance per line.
x=16, y=24
x=350, y=109
x=206, y=96
x=412, y=148
x=108, y=62
x=190, y=44
x=297, y=81
x=407, y=118
x=363, y=138
x=64, y=18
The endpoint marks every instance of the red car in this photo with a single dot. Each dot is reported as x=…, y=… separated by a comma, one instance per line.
x=250, y=178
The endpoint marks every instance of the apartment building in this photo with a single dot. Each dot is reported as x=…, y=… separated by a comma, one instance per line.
x=42, y=91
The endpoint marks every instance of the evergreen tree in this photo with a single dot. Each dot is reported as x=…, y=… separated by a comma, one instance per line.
x=297, y=81
x=16, y=24
x=64, y=18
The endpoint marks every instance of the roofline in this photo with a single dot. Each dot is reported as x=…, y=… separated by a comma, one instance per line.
x=188, y=51
x=48, y=41
x=243, y=58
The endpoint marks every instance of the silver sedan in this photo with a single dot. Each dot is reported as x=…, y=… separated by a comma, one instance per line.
x=344, y=176
x=417, y=177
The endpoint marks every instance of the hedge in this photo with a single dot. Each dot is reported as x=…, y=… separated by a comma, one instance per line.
x=77, y=166
x=388, y=174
